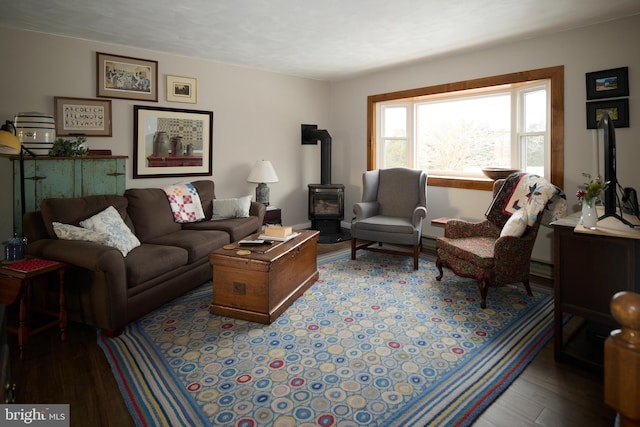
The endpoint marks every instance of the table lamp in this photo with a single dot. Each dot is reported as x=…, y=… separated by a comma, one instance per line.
x=262, y=173
x=9, y=142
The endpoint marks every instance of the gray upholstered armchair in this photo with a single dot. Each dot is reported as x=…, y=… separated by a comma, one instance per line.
x=394, y=203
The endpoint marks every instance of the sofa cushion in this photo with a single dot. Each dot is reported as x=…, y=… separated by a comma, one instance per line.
x=197, y=243
x=236, y=228
x=148, y=261
x=73, y=210
x=231, y=208
x=207, y=194
x=150, y=212
x=109, y=222
x=71, y=232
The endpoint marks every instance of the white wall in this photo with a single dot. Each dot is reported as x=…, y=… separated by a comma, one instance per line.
x=257, y=115
x=600, y=47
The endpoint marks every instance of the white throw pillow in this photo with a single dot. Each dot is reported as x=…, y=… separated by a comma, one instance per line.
x=231, y=208
x=71, y=232
x=516, y=224
x=110, y=222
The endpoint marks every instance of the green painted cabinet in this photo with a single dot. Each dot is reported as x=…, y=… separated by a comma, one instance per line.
x=65, y=177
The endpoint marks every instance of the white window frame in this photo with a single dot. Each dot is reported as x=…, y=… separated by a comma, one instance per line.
x=517, y=92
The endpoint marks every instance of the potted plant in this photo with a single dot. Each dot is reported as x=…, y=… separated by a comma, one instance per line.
x=68, y=148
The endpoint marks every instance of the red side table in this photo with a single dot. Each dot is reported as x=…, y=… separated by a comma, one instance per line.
x=16, y=283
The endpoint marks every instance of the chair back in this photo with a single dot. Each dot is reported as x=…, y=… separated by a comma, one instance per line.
x=400, y=191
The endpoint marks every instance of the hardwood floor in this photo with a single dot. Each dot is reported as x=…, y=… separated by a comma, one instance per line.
x=76, y=372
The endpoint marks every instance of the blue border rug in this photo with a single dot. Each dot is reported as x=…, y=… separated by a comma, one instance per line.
x=373, y=342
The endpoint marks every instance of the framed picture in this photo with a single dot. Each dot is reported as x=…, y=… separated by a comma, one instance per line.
x=608, y=83
x=126, y=78
x=82, y=116
x=171, y=142
x=182, y=89
x=618, y=111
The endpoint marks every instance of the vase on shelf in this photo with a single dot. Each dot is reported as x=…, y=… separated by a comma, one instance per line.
x=589, y=214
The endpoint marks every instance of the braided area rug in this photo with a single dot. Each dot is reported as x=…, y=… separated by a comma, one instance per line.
x=373, y=342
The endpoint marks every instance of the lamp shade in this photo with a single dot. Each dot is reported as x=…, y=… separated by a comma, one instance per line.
x=262, y=172
x=9, y=143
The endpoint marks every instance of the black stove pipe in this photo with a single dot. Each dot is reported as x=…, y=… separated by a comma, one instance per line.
x=310, y=135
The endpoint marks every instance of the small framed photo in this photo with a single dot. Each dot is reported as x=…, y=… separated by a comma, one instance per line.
x=618, y=110
x=170, y=142
x=608, y=83
x=126, y=77
x=182, y=89
x=82, y=116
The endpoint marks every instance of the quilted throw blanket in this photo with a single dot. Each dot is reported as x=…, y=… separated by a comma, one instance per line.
x=185, y=202
x=530, y=192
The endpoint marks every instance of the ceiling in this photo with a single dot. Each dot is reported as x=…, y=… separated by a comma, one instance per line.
x=320, y=39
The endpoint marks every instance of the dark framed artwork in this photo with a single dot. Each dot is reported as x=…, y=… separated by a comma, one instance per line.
x=126, y=77
x=618, y=110
x=82, y=116
x=170, y=142
x=611, y=83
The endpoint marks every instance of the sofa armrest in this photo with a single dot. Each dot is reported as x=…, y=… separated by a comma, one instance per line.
x=88, y=255
x=364, y=210
x=259, y=210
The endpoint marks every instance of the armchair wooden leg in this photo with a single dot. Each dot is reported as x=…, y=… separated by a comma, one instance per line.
x=353, y=248
x=416, y=256
x=439, y=267
x=484, y=287
x=527, y=287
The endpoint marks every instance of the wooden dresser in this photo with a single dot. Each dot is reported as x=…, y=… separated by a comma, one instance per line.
x=590, y=267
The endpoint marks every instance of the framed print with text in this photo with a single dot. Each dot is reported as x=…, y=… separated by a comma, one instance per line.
x=82, y=116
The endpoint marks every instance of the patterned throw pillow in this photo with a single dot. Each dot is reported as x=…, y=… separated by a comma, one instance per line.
x=71, y=232
x=110, y=222
x=231, y=208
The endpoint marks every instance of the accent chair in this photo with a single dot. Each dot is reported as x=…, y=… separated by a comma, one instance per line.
x=394, y=203
x=497, y=251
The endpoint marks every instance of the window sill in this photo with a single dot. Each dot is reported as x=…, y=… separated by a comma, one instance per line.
x=484, y=184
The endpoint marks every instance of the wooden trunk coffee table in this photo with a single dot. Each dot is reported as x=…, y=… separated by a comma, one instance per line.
x=260, y=285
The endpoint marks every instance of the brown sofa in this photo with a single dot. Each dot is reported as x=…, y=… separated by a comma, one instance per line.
x=108, y=290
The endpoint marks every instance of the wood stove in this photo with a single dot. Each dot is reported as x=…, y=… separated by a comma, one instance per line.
x=326, y=207
x=326, y=200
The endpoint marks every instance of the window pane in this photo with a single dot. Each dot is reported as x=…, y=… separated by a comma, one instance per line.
x=533, y=154
x=464, y=135
x=394, y=124
x=535, y=111
x=396, y=153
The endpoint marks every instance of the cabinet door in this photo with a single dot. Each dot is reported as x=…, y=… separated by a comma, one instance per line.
x=42, y=179
x=592, y=269
x=102, y=176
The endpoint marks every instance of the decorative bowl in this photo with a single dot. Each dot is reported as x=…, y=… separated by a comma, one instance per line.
x=498, y=173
